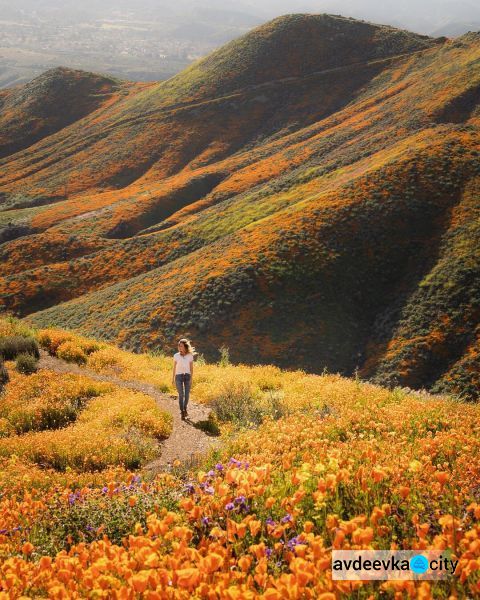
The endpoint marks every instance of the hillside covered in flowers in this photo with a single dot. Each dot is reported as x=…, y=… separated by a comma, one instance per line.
x=306, y=195
x=306, y=464
x=318, y=463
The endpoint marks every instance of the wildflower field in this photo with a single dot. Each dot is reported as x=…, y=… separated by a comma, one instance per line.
x=306, y=464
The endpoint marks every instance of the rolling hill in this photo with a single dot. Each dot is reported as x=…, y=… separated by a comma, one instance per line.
x=306, y=195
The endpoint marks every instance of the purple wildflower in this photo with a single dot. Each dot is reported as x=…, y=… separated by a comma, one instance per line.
x=230, y=506
x=190, y=488
x=295, y=541
x=287, y=518
x=241, y=502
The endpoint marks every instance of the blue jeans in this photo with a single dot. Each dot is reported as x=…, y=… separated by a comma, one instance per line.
x=183, y=383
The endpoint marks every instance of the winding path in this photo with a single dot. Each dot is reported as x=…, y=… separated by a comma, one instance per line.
x=187, y=442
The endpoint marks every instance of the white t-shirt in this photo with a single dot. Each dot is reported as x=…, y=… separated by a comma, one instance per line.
x=183, y=363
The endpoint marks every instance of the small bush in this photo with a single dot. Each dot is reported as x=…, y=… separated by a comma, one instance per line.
x=26, y=364
x=6, y=428
x=237, y=404
x=274, y=407
x=12, y=346
x=163, y=388
x=200, y=360
x=52, y=339
x=11, y=326
x=104, y=360
x=269, y=378
x=4, y=378
x=224, y=356
x=89, y=346
x=71, y=352
x=156, y=353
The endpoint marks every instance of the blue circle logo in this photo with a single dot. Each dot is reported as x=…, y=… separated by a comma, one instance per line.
x=419, y=564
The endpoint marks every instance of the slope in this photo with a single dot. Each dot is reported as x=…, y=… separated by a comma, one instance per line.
x=213, y=108
x=49, y=103
x=296, y=220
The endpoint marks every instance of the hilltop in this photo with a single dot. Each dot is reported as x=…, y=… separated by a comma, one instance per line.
x=291, y=46
x=49, y=103
x=306, y=195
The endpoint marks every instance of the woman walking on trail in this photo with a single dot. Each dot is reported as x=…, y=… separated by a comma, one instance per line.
x=183, y=373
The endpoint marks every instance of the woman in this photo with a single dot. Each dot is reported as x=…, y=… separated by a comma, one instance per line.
x=183, y=373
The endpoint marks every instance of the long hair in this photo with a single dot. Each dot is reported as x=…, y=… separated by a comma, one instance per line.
x=188, y=345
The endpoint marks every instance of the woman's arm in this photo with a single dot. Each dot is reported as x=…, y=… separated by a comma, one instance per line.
x=191, y=371
x=173, y=374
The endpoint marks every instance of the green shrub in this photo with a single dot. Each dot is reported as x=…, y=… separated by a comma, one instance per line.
x=12, y=346
x=4, y=378
x=163, y=388
x=90, y=346
x=26, y=364
x=237, y=404
x=224, y=356
x=12, y=326
x=200, y=360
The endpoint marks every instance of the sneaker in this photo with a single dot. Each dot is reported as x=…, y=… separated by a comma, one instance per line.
x=185, y=412
x=183, y=415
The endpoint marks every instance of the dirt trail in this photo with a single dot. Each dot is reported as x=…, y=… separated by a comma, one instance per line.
x=187, y=443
